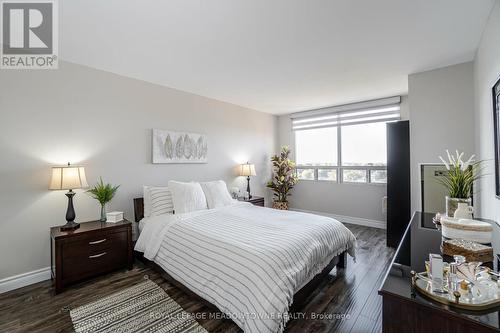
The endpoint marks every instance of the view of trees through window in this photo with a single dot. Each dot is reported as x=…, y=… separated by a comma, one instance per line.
x=350, y=154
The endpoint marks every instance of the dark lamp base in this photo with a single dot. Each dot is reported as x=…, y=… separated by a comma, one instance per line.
x=70, y=226
x=248, y=188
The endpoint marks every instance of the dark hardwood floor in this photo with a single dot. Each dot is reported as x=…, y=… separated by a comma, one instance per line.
x=350, y=294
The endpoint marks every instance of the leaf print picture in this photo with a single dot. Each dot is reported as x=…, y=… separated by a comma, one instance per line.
x=188, y=150
x=179, y=147
x=199, y=147
x=169, y=147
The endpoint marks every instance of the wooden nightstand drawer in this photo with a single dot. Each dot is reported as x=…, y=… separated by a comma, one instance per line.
x=94, y=263
x=94, y=248
x=94, y=244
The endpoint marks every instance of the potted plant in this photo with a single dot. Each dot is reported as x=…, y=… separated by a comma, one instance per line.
x=459, y=180
x=284, y=178
x=103, y=193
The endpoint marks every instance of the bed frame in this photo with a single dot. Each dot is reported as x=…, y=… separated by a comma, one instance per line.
x=299, y=299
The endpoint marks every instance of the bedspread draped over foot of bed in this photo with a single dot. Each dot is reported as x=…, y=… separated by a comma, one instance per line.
x=247, y=261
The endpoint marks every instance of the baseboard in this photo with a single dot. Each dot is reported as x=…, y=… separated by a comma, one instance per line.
x=348, y=219
x=25, y=279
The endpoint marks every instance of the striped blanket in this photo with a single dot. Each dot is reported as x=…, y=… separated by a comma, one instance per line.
x=248, y=261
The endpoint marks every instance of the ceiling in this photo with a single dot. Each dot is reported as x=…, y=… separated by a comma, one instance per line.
x=276, y=56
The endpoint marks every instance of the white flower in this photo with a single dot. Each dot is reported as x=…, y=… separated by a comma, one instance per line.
x=449, y=156
x=466, y=165
x=445, y=163
x=457, y=160
x=453, y=161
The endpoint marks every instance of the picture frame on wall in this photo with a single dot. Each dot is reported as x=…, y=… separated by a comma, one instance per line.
x=496, y=123
x=179, y=147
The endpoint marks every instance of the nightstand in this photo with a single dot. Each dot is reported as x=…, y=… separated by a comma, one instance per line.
x=256, y=201
x=93, y=249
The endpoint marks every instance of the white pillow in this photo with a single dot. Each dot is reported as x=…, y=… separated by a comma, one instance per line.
x=217, y=194
x=157, y=201
x=187, y=197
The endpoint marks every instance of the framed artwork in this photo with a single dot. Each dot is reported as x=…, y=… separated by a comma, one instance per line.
x=179, y=147
x=496, y=122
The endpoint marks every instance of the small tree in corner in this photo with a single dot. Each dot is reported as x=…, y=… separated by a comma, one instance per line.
x=284, y=178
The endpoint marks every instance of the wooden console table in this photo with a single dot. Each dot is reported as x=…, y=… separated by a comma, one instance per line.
x=403, y=311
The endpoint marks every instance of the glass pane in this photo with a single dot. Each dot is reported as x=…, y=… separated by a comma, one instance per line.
x=378, y=176
x=327, y=174
x=316, y=146
x=364, y=144
x=354, y=176
x=305, y=174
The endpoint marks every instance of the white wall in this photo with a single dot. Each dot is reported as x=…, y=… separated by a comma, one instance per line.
x=103, y=121
x=441, y=117
x=486, y=73
x=353, y=200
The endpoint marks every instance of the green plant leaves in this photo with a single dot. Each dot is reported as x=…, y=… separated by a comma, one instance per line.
x=459, y=181
x=103, y=193
x=284, y=178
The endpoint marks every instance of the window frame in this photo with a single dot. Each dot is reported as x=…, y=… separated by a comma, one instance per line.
x=339, y=167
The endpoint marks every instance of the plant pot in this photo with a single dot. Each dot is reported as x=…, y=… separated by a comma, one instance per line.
x=452, y=205
x=281, y=205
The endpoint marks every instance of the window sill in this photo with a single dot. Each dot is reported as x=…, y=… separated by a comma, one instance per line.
x=342, y=183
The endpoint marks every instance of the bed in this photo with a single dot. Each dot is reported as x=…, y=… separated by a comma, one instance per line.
x=254, y=264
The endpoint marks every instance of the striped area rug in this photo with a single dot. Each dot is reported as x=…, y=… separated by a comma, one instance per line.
x=144, y=307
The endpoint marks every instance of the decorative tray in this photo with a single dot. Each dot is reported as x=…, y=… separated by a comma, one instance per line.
x=477, y=298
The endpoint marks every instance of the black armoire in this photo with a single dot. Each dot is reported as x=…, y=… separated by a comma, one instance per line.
x=398, y=181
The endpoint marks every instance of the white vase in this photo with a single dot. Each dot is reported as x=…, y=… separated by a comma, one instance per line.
x=452, y=205
x=464, y=211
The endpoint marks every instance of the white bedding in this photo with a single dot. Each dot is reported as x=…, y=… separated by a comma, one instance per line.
x=248, y=261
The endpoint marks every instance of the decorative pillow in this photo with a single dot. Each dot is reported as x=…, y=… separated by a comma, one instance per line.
x=217, y=194
x=187, y=197
x=157, y=201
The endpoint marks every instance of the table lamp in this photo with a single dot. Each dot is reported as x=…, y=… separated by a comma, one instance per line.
x=69, y=178
x=247, y=170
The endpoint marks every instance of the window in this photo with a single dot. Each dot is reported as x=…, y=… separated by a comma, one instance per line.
x=327, y=174
x=353, y=176
x=345, y=144
x=378, y=176
x=316, y=147
x=305, y=174
x=364, y=145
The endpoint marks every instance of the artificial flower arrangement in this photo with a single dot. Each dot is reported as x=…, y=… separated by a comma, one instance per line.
x=460, y=179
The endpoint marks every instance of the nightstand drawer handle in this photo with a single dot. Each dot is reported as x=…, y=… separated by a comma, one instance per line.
x=97, y=255
x=97, y=242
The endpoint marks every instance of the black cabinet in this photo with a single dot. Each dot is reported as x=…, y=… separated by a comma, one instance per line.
x=398, y=181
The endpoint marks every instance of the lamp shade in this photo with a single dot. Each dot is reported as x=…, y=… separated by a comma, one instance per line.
x=68, y=178
x=247, y=170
